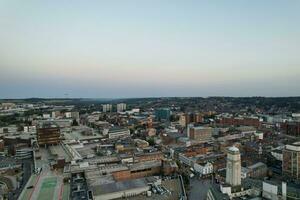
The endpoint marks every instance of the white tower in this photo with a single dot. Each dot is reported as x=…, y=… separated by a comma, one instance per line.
x=233, y=168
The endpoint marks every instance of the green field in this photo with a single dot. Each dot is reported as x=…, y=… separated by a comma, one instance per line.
x=47, y=189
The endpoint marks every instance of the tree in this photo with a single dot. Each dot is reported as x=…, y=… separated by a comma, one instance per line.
x=151, y=141
x=74, y=123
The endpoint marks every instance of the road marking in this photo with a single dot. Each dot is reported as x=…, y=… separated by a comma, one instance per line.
x=61, y=191
x=34, y=186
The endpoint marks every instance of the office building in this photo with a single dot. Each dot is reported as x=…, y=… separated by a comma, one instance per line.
x=163, y=114
x=291, y=160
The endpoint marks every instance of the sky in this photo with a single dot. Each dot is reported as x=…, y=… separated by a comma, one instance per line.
x=149, y=48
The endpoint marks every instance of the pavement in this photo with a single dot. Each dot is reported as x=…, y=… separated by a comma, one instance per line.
x=47, y=185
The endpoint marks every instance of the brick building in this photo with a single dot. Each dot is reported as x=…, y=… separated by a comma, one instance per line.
x=239, y=121
x=291, y=128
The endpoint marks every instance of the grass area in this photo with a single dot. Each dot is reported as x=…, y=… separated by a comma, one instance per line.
x=47, y=189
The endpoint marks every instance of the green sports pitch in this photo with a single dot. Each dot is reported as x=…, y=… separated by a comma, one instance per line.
x=47, y=189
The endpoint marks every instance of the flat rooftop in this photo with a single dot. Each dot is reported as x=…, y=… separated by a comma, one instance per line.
x=119, y=186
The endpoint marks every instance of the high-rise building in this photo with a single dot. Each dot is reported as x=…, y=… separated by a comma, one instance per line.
x=48, y=134
x=162, y=114
x=121, y=107
x=233, y=167
x=106, y=107
x=291, y=160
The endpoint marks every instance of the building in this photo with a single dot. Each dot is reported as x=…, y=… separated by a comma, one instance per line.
x=120, y=190
x=56, y=114
x=48, y=134
x=7, y=163
x=72, y=115
x=121, y=107
x=68, y=114
x=139, y=170
x=182, y=120
x=291, y=128
x=200, y=133
x=193, y=118
x=163, y=114
x=24, y=153
x=1, y=145
x=114, y=133
x=240, y=121
x=106, y=107
x=291, y=160
x=204, y=170
x=257, y=170
x=277, y=154
x=233, y=167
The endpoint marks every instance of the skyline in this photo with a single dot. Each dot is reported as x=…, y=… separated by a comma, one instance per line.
x=149, y=49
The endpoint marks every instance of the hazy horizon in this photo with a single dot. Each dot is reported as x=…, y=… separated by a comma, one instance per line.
x=132, y=49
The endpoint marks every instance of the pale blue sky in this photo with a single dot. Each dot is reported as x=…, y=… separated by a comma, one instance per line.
x=149, y=48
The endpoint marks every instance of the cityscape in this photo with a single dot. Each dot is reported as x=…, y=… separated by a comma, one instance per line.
x=154, y=148
x=142, y=100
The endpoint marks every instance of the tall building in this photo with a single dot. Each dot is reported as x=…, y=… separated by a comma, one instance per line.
x=200, y=133
x=106, y=107
x=291, y=160
x=48, y=134
x=121, y=107
x=162, y=114
x=233, y=167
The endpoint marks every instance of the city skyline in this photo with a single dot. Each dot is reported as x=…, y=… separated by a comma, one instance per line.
x=149, y=49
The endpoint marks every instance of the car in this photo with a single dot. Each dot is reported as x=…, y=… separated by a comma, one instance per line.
x=30, y=187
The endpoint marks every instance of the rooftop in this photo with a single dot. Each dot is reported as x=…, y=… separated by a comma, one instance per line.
x=233, y=149
x=119, y=186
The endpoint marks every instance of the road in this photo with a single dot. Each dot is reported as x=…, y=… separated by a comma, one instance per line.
x=199, y=188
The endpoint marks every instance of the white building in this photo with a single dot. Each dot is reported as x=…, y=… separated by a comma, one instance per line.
x=121, y=107
x=186, y=160
x=68, y=114
x=204, y=169
x=46, y=116
x=233, y=167
x=107, y=108
x=118, y=133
